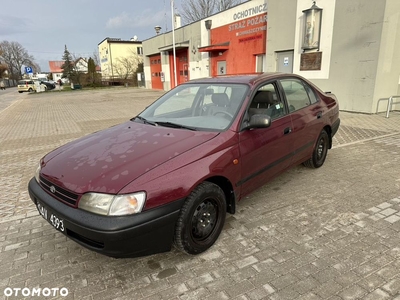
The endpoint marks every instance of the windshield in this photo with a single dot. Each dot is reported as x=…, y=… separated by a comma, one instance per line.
x=197, y=106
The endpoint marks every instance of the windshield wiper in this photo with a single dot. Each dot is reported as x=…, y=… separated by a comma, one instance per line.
x=145, y=121
x=175, y=125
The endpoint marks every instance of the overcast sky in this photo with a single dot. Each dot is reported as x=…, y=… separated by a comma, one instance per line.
x=43, y=27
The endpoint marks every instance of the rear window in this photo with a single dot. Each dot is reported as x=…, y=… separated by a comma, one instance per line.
x=23, y=82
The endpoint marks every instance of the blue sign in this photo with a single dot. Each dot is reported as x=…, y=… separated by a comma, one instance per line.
x=28, y=70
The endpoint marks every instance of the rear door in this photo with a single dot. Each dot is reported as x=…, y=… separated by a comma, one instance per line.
x=265, y=152
x=306, y=113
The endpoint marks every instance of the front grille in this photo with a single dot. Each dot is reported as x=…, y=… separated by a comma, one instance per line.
x=58, y=192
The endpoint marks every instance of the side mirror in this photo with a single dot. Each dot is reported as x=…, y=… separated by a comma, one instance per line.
x=259, y=121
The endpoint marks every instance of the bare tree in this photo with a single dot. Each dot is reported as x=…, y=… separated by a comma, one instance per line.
x=15, y=57
x=226, y=4
x=194, y=10
x=96, y=58
x=126, y=67
x=3, y=67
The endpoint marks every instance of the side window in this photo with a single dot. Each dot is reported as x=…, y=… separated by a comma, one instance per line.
x=296, y=94
x=311, y=94
x=267, y=101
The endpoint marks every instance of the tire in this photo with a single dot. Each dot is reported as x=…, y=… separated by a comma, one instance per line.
x=19, y=92
x=320, y=151
x=30, y=90
x=201, y=219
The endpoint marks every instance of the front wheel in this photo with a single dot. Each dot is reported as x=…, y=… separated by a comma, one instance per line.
x=320, y=151
x=201, y=219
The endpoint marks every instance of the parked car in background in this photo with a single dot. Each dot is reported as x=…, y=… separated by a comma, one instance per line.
x=48, y=85
x=170, y=174
x=26, y=85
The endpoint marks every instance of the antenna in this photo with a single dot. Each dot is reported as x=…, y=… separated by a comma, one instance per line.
x=135, y=37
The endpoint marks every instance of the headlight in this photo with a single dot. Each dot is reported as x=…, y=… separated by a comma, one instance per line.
x=113, y=205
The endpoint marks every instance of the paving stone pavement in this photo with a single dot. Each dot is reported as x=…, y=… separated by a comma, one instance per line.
x=330, y=233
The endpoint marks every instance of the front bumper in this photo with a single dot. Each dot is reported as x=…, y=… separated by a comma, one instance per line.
x=142, y=234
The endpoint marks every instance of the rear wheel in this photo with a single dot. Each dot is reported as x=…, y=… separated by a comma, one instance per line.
x=201, y=219
x=30, y=90
x=320, y=151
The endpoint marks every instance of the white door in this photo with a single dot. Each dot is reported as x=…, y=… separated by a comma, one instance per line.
x=285, y=61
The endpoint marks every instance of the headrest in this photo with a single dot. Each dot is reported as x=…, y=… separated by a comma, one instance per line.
x=220, y=99
x=264, y=97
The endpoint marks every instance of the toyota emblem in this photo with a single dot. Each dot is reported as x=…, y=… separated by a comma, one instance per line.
x=52, y=189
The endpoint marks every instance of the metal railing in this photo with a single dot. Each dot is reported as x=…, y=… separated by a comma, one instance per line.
x=389, y=105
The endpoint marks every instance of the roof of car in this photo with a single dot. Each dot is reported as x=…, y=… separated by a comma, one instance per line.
x=241, y=78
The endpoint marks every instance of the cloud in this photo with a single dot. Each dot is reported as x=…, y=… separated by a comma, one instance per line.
x=147, y=18
x=10, y=25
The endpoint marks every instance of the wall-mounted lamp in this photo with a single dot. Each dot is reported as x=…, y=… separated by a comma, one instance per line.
x=157, y=29
x=208, y=24
x=312, y=27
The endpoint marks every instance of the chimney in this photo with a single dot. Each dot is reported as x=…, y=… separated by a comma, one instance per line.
x=177, y=20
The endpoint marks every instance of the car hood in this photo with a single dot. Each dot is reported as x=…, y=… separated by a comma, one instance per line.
x=108, y=160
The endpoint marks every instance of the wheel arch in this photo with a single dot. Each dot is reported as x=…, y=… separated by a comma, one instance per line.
x=227, y=188
x=328, y=130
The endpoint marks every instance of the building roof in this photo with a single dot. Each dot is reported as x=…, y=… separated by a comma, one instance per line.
x=120, y=41
x=55, y=66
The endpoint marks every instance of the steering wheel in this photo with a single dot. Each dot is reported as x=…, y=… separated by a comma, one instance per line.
x=224, y=113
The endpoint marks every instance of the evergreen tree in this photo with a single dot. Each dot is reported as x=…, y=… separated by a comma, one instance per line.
x=67, y=67
x=91, y=70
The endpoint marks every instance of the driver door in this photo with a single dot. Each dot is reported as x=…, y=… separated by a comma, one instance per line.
x=265, y=152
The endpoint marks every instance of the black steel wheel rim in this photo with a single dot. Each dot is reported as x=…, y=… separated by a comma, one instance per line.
x=204, y=220
x=321, y=148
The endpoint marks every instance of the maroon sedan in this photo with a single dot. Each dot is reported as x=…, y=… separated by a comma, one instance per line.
x=170, y=175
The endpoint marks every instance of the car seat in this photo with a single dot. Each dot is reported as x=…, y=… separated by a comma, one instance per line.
x=220, y=103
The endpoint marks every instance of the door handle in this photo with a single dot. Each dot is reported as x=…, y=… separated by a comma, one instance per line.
x=287, y=130
x=319, y=114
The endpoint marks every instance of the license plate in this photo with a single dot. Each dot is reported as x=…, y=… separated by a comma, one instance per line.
x=53, y=219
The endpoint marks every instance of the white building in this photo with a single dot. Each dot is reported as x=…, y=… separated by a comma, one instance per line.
x=353, y=51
